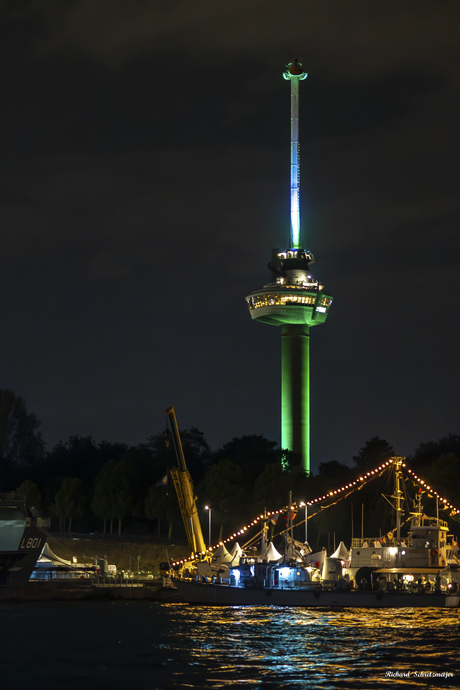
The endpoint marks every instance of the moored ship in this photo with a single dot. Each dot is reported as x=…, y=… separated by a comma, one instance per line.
x=21, y=541
x=420, y=570
x=296, y=591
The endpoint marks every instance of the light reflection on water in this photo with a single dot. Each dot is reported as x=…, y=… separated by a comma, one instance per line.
x=137, y=645
x=270, y=647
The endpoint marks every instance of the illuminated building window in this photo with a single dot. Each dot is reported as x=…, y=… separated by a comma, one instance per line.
x=270, y=300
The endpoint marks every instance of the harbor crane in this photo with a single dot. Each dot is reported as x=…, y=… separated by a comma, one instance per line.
x=185, y=492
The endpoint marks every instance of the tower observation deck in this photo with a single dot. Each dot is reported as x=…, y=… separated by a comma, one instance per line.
x=295, y=301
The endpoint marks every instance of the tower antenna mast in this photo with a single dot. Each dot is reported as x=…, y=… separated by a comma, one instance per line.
x=294, y=73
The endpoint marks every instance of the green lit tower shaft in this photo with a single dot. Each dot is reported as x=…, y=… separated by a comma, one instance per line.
x=295, y=390
x=294, y=301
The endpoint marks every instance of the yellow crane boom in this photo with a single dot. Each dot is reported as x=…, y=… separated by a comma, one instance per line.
x=184, y=489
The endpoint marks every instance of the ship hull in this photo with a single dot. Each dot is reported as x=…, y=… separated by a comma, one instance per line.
x=222, y=595
x=21, y=542
x=17, y=565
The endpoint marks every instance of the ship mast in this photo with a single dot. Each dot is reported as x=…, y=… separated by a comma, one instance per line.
x=264, y=536
x=416, y=520
x=398, y=495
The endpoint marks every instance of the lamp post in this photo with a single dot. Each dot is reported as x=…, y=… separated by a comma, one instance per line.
x=209, y=523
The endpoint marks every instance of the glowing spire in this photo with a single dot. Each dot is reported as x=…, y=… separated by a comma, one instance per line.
x=294, y=73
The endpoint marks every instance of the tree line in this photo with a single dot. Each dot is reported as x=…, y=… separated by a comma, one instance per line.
x=113, y=488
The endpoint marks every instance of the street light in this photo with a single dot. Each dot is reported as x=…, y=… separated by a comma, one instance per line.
x=209, y=523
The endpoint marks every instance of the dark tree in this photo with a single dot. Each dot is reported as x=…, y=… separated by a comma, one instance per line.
x=117, y=492
x=290, y=460
x=148, y=466
x=124, y=483
x=162, y=503
x=427, y=453
x=335, y=471
x=32, y=494
x=373, y=454
x=20, y=442
x=222, y=490
x=196, y=451
x=82, y=457
x=251, y=453
x=103, y=503
x=69, y=501
x=444, y=476
x=271, y=488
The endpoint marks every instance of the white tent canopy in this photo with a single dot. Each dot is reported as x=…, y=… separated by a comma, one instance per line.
x=272, y=554
x=221, y=555
x=236, y=550
x=341, y=552
x=47, y=557
x=236, y=554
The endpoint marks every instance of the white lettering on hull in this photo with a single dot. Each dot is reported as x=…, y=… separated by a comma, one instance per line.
x=31, y=543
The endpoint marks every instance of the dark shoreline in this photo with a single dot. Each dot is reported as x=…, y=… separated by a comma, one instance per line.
x=87, y=591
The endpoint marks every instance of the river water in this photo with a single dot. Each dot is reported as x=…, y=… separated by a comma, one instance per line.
x=145, y=645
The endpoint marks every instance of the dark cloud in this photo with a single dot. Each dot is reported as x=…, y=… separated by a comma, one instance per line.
x=387, y=33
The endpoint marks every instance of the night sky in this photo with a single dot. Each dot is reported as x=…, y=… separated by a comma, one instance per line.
x=144, y=162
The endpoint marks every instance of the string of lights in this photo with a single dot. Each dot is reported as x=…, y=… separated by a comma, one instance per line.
x=446, y=505
x=349, y=488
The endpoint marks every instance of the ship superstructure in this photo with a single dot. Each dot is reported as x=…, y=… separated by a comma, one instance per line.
x=427, y=549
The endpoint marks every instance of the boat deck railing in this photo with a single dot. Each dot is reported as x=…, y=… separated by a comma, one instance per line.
x=431, y=522
x=363, y=542
x=265, y=584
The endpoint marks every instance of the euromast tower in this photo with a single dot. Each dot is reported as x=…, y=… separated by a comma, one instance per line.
x=294, y=301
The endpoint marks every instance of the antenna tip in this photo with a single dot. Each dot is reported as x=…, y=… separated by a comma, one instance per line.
x=294, y=69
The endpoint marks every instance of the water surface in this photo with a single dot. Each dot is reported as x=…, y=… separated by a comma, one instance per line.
x=143, y=645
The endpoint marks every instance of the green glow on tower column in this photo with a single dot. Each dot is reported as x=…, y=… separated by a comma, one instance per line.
x=295, y=391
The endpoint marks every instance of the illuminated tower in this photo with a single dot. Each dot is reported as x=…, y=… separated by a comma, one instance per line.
x=294, y=301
